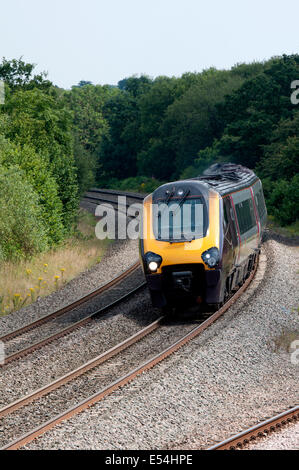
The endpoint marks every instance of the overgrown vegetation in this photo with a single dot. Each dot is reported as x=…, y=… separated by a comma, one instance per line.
x=23, y=281
x=55, y=144
x=147, y=131
x=38, y=191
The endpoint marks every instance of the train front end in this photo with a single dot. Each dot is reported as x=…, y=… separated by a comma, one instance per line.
x=181, y=244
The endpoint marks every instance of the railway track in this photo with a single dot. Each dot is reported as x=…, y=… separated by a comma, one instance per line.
x=111, y=192
x=14, y=338
x=119, y=376
x=95, y=197
x=69, y=329
x=265, y=428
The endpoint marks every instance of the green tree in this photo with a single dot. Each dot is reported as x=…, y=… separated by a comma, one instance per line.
x=118, y=150
x=250, y=114
x=40, y=120
x=86, y=103
x=36, y=171
x=18, y=74
x=281, y=155
x=22, y=232
x=283, y=200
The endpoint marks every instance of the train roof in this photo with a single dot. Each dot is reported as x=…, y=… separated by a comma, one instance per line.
x=226, y=178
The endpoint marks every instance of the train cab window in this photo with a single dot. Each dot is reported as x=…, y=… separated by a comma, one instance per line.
x=179, y=222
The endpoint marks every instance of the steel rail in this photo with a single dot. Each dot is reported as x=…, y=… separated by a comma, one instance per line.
x=71, y=306
x=38, y=431
x=117, y=193
x=30, y=326
x=100, y=359
x=96, y=201
x=259, y=430
x=69, y=329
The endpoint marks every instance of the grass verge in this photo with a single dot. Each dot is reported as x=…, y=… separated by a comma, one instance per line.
x=289, y=231
x=23, y=282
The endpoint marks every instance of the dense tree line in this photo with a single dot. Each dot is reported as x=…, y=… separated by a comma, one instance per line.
x=55, y=143
x=38, y=190
x=146, y=131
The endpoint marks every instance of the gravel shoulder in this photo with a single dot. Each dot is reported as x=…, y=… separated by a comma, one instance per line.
x=235, y=374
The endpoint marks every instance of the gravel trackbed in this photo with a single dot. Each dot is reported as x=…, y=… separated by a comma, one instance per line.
x=235, y=374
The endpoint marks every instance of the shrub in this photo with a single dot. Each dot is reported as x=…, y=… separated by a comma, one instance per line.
x=283, y=200
x=37, y=173
x=138, y=184
x=22, y=231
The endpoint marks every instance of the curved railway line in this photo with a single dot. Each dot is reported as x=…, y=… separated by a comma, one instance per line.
x=94, y=196
x=74, y=325
x=14, y=337
x=117, y=380
x=265, y=428
x=35, y=324
x=18, y=438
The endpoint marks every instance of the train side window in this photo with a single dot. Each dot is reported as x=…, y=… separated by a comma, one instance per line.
x=225, y=216
x=245, y=214
x=260, y=201
x=229, y=217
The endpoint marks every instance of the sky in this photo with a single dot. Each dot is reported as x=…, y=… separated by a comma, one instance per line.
x=104, y=41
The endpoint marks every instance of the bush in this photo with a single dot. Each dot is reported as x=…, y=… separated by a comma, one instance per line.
x=138, y=184
x=22, y=232
x=283, y=200
x=37, y=173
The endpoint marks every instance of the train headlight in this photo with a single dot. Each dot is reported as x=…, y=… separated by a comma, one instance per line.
x=153, y=261
x=153, y=266
x=211, y=257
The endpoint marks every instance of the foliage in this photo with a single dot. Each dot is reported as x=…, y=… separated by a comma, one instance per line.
x=86, y=165
x=40, y=121
x=283, y=200
x=22, y=231
x=87, y=102
x=168, y=128
x=250, y=114
x=117, y=153
x=18, y=74
x=36, y=172
x=36, y=140
x=281, y=156
x=138, y=184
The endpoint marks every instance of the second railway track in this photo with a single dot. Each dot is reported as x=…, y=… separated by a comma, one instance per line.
x=34, y=335
x=260, y=430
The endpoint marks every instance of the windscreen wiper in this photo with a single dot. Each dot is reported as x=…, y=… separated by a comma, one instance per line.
x=184, y=197
x=169, y=196
x=181, y=202
x=181, y=240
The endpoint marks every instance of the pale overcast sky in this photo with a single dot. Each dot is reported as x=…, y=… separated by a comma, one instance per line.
x=104, y=41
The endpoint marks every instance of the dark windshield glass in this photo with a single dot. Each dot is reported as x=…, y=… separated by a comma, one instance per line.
x=175, y=221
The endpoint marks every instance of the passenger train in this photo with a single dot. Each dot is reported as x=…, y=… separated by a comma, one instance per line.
x=201, y=237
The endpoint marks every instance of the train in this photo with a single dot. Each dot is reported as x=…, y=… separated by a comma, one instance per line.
x=201, y=237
